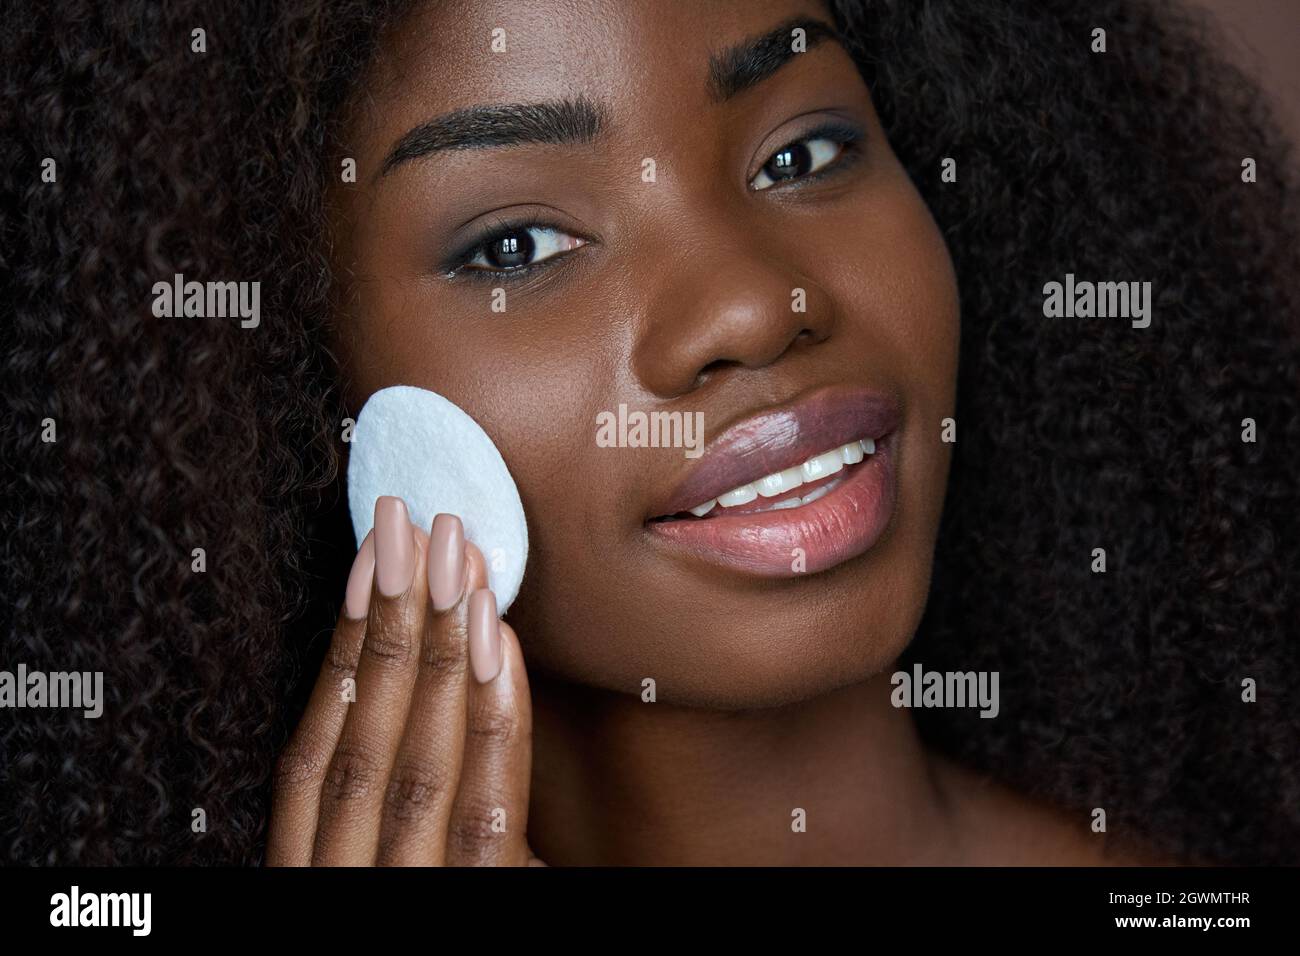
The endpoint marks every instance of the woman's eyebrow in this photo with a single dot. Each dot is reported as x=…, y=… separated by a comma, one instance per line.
x=507, y=124
x=751, y=61
x=579, y=120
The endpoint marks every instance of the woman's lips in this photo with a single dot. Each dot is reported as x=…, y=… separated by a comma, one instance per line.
x=841, y=524
x=845, y=514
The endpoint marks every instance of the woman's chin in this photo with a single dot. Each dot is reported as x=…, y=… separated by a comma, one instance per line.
x=728, y=664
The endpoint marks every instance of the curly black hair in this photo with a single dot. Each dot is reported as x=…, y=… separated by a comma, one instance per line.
x=1121, y=690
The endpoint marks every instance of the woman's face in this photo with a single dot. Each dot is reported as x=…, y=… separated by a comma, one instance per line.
x=683, y=215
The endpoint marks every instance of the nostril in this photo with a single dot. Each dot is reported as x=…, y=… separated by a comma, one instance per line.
x=712, y=369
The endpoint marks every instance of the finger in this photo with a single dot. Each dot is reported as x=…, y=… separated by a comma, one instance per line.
x=301, y=768
x=353, y=791
x=426, y=771
x=489, y=822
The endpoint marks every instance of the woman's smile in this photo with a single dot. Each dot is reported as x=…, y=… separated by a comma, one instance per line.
x=792, y=491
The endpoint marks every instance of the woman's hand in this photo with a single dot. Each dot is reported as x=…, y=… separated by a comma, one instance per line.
x=416, y=745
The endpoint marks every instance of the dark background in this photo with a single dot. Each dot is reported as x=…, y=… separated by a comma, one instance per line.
x=1263, y=38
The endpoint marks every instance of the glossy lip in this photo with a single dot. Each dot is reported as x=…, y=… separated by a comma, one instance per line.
x=782, y=438
x=842, y=524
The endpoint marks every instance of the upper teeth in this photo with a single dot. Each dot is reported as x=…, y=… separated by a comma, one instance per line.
x=781, y=482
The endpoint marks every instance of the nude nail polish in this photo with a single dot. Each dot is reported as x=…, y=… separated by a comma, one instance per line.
x=394, y=547
x=356, y=601
x=484, y=635
x=446, y=561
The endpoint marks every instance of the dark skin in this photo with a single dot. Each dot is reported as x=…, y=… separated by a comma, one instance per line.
x=667, y=295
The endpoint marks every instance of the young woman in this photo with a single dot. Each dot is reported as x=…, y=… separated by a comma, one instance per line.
x=776, y=214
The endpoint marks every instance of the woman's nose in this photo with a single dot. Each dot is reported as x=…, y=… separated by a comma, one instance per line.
x=736, y=306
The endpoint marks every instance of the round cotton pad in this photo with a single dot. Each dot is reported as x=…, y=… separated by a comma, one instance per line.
x=416, y=445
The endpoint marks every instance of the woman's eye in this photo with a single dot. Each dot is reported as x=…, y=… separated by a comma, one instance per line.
x=520, y=247
x=797, y=159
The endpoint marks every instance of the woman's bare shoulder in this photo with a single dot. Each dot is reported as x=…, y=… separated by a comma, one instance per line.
x=1001, y=827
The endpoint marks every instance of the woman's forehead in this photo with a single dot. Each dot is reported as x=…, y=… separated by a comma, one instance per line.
x=446, y=56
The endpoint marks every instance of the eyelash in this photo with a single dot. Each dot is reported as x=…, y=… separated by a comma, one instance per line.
x=456, y=266
x=845, y=135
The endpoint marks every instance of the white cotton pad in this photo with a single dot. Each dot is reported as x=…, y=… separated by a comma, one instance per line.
x=416, y=445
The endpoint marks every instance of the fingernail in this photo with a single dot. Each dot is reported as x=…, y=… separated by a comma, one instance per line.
x=484, y=635
x=394, y=547
x=446, y=561
x=357, y=596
